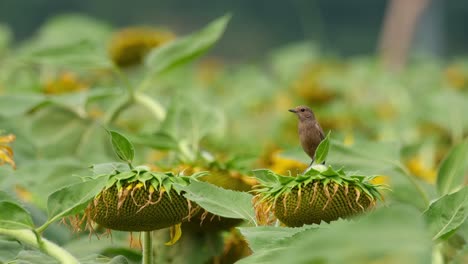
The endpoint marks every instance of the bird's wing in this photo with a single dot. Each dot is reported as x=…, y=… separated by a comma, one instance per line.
x=320, y=130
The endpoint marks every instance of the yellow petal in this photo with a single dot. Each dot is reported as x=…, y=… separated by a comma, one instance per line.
x=7, y=138
x=176, y=233
x=6, y=156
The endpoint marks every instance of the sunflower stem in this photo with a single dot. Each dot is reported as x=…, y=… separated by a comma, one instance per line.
x=147, y=248
x=30, y=238
x=156, y=109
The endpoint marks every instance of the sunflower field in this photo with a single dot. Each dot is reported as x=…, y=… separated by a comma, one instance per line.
x=131, y=145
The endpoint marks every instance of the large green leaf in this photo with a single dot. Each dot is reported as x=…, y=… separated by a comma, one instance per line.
x=262, y=237
x=219, y=201
x=33, y=257
x=447, y=214
x=159, y=140
x=365, y=156
x=18, y=104
x=289, y=61
x=74, y=55
x=54, y=45
x=57, y=30
x=109, y=168
x=122, y=146
x=388, y=235
x=188, y=121
x=13, y=216
x=185, y=49
x=448, y=110
x=9, y=250
x=452, y=172
x=74, y=198
x=41, y=177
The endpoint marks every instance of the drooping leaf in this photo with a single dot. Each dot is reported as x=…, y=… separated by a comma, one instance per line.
x=185, y=49
x=389, y=235
x=219, y=201
x=74, y=198
x=447, y=213
x=13, y=216
x=322, y=150
x=122, y=146
x=453, y=169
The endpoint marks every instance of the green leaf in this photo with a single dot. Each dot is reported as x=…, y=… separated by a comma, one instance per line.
x=109, y=168
x=9, y=250
x=387, y=235
x=289, y=61
x=447, y=214
x=322, y=150
x=56, y=31
x=261, y=237
x=159, y=140
x=365, y=156
x=80, y=54
x=219, y=201
x=16, y=104
x=452, y=171
x=119, y=260
x=5, y=37
x=33, y=257
x=122, y=146
x=73, y=199
x=185, y=49
x=265, y=176
x=13, y=216
x=189, y=120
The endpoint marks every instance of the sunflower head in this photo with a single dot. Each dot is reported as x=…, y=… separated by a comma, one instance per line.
x=284, y=165
x=129, y=45
x=321, y=194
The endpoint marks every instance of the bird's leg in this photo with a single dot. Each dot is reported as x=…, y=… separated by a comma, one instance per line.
x=309, y=167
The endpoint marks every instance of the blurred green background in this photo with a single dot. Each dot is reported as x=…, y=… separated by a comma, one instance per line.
x=342, y=27
x=394, y=93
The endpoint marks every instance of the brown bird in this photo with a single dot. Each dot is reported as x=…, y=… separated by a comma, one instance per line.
x=310, y=132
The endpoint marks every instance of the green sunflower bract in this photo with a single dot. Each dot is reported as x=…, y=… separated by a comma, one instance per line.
x=321, y=194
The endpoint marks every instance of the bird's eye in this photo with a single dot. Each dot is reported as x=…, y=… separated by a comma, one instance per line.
x=302, y=109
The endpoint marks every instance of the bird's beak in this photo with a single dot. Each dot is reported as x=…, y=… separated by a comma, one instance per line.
x=292, y=110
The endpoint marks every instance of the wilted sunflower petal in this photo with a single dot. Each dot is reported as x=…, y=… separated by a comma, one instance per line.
x=6, y=152
x=176, y=233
